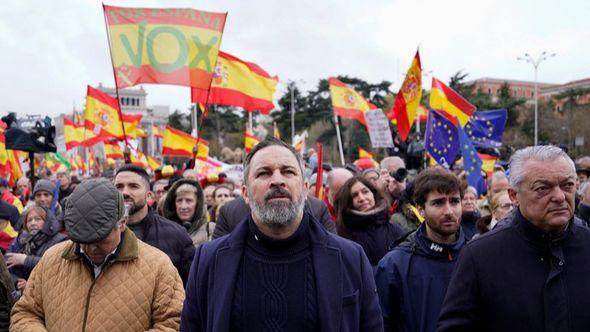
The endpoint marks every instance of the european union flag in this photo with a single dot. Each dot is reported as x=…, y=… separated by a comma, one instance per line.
x=441, y=139
x=485, y=128
x=471, y=162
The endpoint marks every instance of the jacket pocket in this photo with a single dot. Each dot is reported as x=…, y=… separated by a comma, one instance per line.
x=350, y=299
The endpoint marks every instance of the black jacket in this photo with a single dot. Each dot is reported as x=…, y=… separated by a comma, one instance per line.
x=34, y=246
x=235, y=211
x=518, y=278
x=372, y=231
x=172, y=239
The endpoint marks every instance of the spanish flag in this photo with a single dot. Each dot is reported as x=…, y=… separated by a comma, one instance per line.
x=132, y=128
x=488, y=163
x=157, y=131
x=113, y=150
x=364, y=154
x=239, y=83
x=446, y=99
x=73, y=134
x=407, y=99
x=348, y=103
x=3, y=152
x=102, y=117
x=250, y=141
x=176, y=46
x=139, y=159
x=153, y=163
x=181, y=144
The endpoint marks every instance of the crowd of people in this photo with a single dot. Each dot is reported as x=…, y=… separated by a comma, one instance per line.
x=384, y=248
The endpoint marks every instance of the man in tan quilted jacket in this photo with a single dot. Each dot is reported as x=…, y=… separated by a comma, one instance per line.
x=105, y=279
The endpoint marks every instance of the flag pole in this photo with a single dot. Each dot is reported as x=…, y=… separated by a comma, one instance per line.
x=250, y=121
x=339, y=139
x=106, y=24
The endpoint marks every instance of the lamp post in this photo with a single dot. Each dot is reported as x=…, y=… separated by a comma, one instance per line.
x=536, y=62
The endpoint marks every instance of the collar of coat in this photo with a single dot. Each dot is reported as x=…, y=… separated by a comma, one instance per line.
x=127, y=250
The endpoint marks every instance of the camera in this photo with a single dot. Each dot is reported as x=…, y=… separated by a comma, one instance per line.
x=32, y=133
x=399, y=175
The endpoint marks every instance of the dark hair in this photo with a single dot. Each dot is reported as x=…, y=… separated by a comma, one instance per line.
x=435, y=180
x=270, y=141
x=222, y=186
x=137, y=170
x=343, y=202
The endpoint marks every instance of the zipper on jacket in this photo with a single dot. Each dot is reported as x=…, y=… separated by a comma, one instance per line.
x=90, y=292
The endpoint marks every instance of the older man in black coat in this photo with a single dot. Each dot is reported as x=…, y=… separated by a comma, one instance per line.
x=532, y=274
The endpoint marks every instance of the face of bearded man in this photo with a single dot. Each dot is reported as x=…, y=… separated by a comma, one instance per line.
x=275, y=189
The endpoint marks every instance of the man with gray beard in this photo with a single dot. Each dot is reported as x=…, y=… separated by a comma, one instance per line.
x=279, y=270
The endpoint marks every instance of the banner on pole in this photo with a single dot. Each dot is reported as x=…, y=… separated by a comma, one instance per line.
x=379, y=131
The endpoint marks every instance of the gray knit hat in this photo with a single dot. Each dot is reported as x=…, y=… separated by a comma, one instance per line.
x=43, y=185
x=93, y=210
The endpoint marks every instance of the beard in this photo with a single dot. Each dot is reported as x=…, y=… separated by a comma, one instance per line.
x=280, y=213
x=135, y=206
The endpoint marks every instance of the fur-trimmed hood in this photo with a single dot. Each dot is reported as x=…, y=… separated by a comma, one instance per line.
x=200, y=216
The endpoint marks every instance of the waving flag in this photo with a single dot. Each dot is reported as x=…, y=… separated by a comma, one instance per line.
x=441, y=139
x=102, y=117
x=73, y=134
x=485, y=128
x=364, y=153
x=132, y=125
x=181, y=144
x=176, y=46
x=408, y=98
x=157, y=131
x=444, y=98
x=488, y=162
x=250, y=141
x=153, y=163
x=238, y=83
x=471, y=162
x=113, y=150
x=348, y=103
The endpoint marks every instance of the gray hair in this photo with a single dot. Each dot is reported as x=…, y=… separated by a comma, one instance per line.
x=271, y=141
x=397, y=161
x=539, y=153
x=472, y=190
x=186, y=188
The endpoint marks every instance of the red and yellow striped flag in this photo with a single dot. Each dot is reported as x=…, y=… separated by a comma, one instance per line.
x=139, y=159
x=446, y=99
x=239, y=83
x=153, y=163
x=73, y=134
x=157, y=131
x=113, y=150
x=364, y=153
x=176, y=46
x=348, y=103
x=488, y=163
x=102, y=117
x=407, y=99
x=132, y=128
x=179, y=143
x=250, y=141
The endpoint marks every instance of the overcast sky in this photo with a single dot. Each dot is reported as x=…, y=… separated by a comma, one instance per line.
x=52, y=49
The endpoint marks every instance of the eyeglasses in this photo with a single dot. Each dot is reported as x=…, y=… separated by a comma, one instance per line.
x=505, y=206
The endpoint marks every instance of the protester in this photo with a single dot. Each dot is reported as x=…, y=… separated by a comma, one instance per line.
x=40, y=232
x=185, y=205
x=133, y=183
x=393, y=174
x=531, y=274
x=221, y=194
x=159, y=189
x=408, y=217
x=412, y=279
x=12, y=213
x=65, y=188
x=280, y=268
x=363, y=217
x=7, y=196
x=470, y=213
x=583, y=168
x=7, y=233
x=102, y=280
x=584, y=205
x=336, y=178
x=209, y=198
x=23, y=190
x=42, y=196
x=190, y=174
x=372, y=175
x=501, y=207
x=496, y=183
x=313, y=181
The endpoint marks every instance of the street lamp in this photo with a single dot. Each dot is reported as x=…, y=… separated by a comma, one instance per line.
x=535, y=63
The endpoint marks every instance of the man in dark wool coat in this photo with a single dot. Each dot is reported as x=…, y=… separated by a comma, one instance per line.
x=534, y=273
x=279, y=270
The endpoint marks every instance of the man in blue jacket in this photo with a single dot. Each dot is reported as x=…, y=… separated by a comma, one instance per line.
x=279, y=270
x=412, y=279
x=532, y=274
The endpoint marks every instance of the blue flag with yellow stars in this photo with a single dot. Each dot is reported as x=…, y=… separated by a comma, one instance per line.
x=441, y=139
x=485, y=128
x=471, y=162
